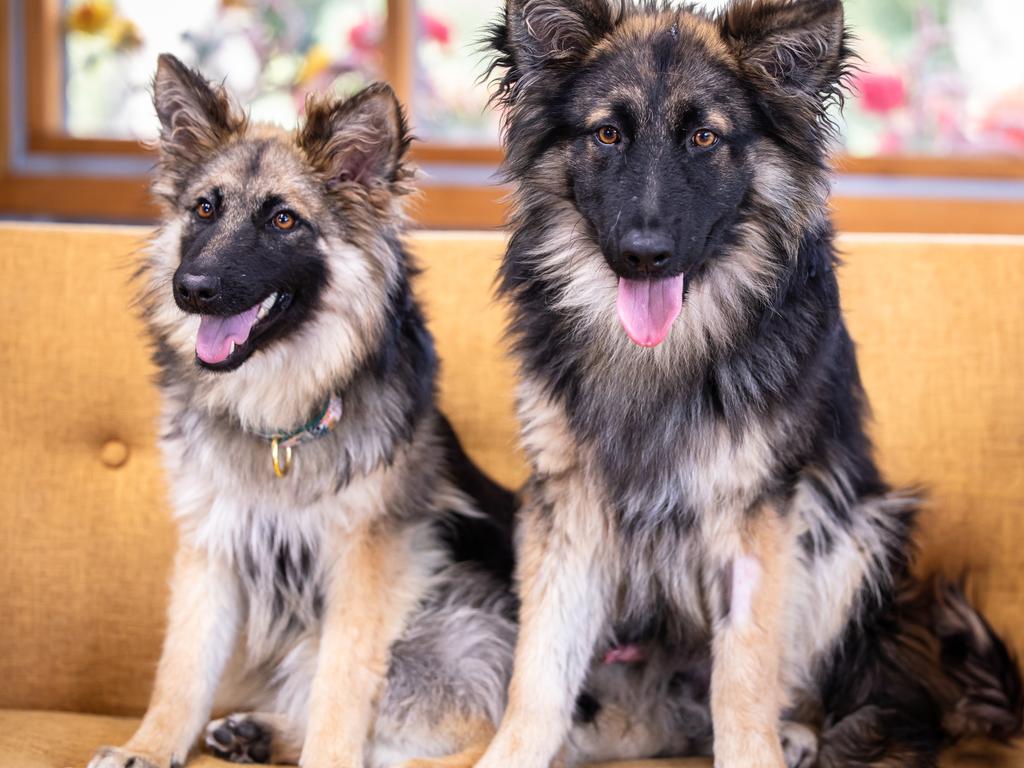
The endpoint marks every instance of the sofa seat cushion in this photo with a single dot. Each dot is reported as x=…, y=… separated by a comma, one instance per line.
x=39, y=739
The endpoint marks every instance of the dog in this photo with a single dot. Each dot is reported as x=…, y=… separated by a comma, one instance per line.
x=342, y=577
x=690, y=401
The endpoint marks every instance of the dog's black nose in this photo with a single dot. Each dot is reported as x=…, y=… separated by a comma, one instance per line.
x=645, y=252
x=197, y=291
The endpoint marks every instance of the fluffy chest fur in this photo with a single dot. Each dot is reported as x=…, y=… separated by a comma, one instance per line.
x=281, y=536
x=685, y=446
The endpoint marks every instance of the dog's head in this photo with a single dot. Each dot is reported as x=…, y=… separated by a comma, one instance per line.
x=277, y=251
x=670, y=131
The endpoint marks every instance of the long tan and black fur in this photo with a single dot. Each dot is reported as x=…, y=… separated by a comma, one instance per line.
x=712, y=483
x=355, y=611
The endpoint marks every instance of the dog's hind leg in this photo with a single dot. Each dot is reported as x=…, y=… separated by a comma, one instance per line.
x=465, y=759
x=870, y=738
x=746, y=685
x=254, y=737
x=919, y=679
x=449, y=673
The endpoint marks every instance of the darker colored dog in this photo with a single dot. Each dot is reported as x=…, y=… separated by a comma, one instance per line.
x=690, y=398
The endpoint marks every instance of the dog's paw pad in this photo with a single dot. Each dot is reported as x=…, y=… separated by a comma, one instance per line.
x=799, y=745
x=239, y=739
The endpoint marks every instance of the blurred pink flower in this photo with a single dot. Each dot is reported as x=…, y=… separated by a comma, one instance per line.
x=435, y=29
x=364, y=37
x=1005, y=119
x=891, y=143
x=881, y=93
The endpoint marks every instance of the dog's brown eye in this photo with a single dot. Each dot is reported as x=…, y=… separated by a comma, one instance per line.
x=204, y=209
x=608, y=134
x=705, y=139
x=284, y=220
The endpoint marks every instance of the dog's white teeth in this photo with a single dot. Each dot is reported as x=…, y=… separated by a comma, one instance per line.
x=232, y=350
x=266, y=306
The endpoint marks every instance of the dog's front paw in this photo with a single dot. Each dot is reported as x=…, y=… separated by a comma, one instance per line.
x=750, y=750
x=799, y=745
x=239, y=739
x=112, y=757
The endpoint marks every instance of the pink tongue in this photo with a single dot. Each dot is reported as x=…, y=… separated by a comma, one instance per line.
x=213, y=343
x=647, y=308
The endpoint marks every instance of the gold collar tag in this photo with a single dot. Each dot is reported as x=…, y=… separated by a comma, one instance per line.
x=275, y=454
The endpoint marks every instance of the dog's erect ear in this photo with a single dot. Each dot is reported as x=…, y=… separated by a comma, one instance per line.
x=195, y=117
x=543, y=32
x=795, y=47
x=362, y=139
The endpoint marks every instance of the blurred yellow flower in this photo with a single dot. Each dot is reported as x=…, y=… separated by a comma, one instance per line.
x=124, y=34
x=234, y=3
x=90, y=16
x=317, y=61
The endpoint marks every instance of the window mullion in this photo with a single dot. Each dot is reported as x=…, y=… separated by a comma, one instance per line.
x=400, y=48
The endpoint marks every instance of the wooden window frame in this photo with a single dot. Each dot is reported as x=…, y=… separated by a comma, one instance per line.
x=444, y=206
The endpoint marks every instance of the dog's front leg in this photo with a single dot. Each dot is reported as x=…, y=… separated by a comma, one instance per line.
x=371, y=590
x=746, y=685
x=566, y=570
x=201, y=633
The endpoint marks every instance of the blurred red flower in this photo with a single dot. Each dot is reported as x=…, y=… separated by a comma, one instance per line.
x=435, y=29
x=1005, y=120
x=364, y=36
x=880, y=93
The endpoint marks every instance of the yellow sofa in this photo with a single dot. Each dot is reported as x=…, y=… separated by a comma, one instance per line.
x=85, y=538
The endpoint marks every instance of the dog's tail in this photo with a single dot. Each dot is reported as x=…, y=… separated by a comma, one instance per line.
x=485, y=539
x=928, y=673
x=989, y=696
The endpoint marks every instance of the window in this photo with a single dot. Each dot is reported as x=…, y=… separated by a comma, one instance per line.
x=271, y=54
x=936, y=125
x=936, y=80
x=939, y=78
